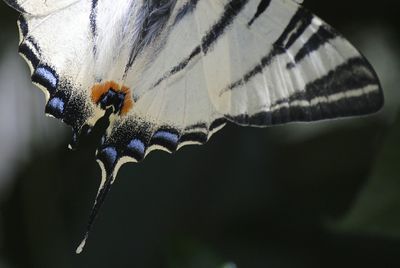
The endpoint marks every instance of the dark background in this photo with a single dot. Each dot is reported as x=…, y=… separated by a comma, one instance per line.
x=324, y=194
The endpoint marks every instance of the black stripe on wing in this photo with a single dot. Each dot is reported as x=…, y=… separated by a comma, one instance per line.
x=318, y=39
x=23, y=26
x=30, y=50
x=265, y=61
x=261, y=8
x=197, y=133
x=231, y=10
x=186, y=9
x=295, y=28
x=350, y=89
x=217, y=124
x=93, y=19
x=152, y=20
x=194, y=137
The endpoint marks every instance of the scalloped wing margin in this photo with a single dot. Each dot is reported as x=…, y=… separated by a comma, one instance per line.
x=134, y=138
x=63, y=100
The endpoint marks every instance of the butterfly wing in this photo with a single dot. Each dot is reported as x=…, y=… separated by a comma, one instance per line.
x=298, y=69
x=173, y=72
x=60, y=65
x=269, y=62
x=250, y=62
x=39, y=7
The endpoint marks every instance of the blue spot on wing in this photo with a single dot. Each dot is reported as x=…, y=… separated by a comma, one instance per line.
x=108, y=156
x=111, y=154
x=55, y=107
x=136, y=149
x=166, y=138
x=137, y=145
x=46, y=77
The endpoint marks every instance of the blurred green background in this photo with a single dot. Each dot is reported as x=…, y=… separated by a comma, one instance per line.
x=324, y=194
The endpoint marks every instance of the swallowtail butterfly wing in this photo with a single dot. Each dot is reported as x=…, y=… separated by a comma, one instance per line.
x=173, y=72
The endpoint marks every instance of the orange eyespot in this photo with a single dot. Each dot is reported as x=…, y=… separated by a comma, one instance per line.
x=99, y=91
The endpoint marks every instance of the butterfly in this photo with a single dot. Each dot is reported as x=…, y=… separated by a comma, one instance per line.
x=169, y=73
